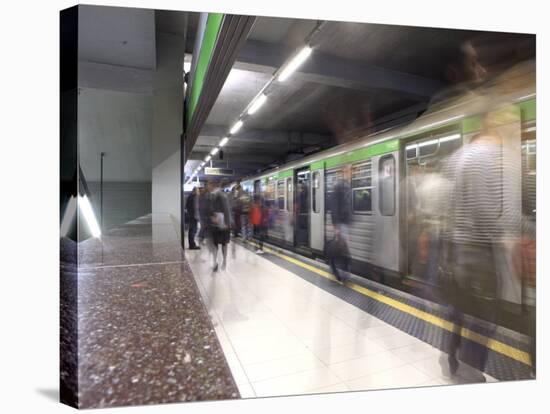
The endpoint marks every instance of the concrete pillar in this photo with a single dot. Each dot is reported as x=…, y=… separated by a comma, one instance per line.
x=167, y=126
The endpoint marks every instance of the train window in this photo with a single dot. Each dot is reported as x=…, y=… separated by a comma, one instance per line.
x=315, y=193
x=428, y=147
x=531, y=155
x=281, y=194
x=436, y=145
x=331, y=179
x=361, y=175
x=411, y=151
x=361, y=184
x=529, y=171
x=386, y=175
x=270, y=190
x=289, y=194
x=362, y=200
x=449, y=144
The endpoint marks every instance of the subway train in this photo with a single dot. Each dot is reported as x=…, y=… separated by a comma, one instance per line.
x=383, y=240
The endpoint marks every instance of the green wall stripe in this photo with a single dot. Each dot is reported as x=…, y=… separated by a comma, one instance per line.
x=528, y=110
x=211, y=30
x=363, y=153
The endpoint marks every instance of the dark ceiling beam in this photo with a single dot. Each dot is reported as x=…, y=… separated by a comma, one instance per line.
x=239, y=157
x=259, y=135
x=333, y=71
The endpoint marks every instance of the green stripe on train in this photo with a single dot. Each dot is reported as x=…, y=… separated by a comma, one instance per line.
x=284, y=174
x=528, y=110
x=471, y=124
x=528, y=113
x=279, y=175
x=362, y=153
x=317, y=165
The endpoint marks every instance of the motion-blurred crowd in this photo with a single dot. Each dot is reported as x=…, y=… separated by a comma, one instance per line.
x=468, y=234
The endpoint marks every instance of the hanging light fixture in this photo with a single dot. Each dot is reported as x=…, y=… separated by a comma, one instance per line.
x=260, y=100
x=236, y=127
x=295, y=63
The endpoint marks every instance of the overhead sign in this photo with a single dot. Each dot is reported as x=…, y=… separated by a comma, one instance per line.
x=218, y=171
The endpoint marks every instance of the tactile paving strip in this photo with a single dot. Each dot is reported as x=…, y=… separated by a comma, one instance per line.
x=497, y=365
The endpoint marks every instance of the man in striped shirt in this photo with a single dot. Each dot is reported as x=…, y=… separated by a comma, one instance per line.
x=480, y=221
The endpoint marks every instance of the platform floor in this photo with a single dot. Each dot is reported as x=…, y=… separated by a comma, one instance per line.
x=283, y=335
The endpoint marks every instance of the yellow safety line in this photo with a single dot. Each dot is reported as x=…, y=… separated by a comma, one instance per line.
x=490, y=343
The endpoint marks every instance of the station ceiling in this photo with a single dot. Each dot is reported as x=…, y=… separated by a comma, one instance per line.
x=359, y=78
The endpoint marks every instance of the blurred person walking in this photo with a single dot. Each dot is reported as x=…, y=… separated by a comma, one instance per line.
x=431, y=215
x=471, y=191
x=245, y=204
x=204, y=208
x=340, y=212
x=479, y=228
x=192, y=210
x=219, y=223
x=236, y=206
x=258, y=220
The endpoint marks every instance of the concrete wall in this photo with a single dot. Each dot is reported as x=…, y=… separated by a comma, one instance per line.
x=167, y=126
x=119, y=124
x=130, y=107
x=122, y=201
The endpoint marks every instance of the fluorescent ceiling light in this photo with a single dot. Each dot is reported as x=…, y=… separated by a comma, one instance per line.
x=203, y=163
x=223, y=141
x=86, y=208
x=295, y=63
x=214, y=151
x=257, y=104
x=236, y=127
x=208, y=158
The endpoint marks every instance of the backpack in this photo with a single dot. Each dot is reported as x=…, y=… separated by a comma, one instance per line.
x=255, y=214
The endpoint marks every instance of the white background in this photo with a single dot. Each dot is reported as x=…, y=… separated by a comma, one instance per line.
x=29, y=162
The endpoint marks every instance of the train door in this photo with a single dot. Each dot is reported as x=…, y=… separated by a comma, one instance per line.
x=423, y=184
x=289, y=209
x=257, y=188
x=529, y=211
x=317, y=210
x=385, y=212
x=302, y=207
x=332, y=177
